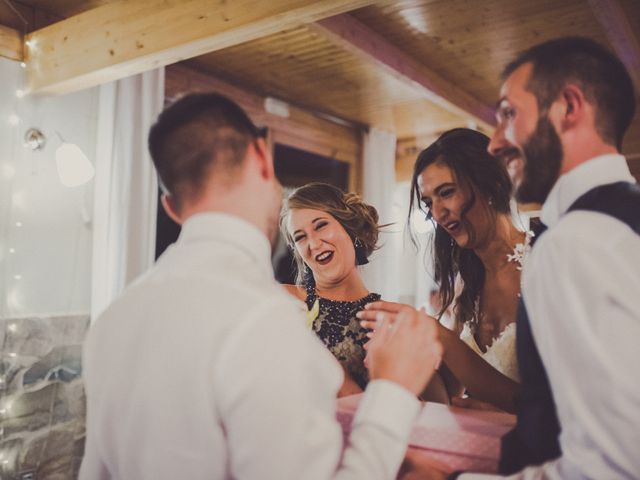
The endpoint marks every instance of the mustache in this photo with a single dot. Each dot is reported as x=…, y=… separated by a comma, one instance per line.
x=508, y=154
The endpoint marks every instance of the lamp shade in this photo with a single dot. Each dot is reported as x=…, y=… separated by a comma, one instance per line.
x=74, y=168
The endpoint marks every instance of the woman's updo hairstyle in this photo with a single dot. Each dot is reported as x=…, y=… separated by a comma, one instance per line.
x=359, y=219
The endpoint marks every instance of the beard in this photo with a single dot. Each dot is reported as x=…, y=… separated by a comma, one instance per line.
x=542, y=162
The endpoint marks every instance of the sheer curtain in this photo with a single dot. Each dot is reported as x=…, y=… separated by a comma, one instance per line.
x=378, y=183
x=400, y=271
x=126, y=186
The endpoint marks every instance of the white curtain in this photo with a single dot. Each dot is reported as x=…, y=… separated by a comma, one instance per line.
x=125, y=204
x=414, y=262
x=399, y=271
x=378, y=172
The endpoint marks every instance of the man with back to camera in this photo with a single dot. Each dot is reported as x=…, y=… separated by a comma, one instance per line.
x=564, y=107
x=203, y=368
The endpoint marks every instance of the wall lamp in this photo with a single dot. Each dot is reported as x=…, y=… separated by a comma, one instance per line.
x=74, y=168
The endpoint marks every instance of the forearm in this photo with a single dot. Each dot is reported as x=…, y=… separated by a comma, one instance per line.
x=438, y=389
x=349, y=385
x=380, y=433
x=478, y=377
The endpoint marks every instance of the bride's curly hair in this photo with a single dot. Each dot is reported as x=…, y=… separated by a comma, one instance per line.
x=359, y=219
x=479, y=174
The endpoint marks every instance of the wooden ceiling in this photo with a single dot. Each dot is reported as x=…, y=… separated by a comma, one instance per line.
x=304, y=67
x=414, y=46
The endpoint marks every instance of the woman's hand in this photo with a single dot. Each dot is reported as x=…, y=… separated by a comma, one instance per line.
x=377, y=311
x=405, y=350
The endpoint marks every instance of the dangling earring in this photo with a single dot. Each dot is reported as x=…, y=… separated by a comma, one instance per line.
x=490, y=201
x=307, y=276
x=361, y=254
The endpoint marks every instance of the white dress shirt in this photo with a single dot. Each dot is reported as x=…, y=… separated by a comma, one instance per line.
x=581, y=285
x=204, y=369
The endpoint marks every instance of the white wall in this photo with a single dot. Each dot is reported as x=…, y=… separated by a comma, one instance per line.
x=45, y=264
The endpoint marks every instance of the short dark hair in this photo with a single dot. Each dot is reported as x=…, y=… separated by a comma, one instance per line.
x=599, y=73
x=195, y=136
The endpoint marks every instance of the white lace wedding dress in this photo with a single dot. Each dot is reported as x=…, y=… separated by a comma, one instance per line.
x=501, y=354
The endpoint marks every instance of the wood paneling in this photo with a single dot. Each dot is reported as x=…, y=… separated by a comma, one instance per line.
x=469, y=42
x=64, y=8
x=616, y=26
x=41, y=13
x=301, y=129
x=464, y=42
x=124, y=38
x=305, y=67
x=368, y=45
x=10, y=43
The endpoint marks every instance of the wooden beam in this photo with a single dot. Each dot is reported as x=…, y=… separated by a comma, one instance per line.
x=359, y=39
x=10, y=43
x=620, y=34
x=124, y=38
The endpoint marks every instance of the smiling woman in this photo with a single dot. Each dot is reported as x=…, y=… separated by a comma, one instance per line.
x=331, y=233
x=478, y=254
x=466, y=192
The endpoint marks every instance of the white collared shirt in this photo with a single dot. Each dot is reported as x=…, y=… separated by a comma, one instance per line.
x=581, y=285
x=204, y=369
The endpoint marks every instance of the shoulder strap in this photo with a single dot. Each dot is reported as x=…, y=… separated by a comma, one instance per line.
x=620, y=200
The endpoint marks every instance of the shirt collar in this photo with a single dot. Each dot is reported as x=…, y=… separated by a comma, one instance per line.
x=231, y=230
x=600, y=170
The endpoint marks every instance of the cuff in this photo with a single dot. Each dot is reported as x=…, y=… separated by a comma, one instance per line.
x=389, y=406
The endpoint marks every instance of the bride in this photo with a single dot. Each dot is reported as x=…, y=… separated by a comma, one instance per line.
x=478, y=254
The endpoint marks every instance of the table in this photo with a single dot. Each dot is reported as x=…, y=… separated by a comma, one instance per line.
x=463, y=439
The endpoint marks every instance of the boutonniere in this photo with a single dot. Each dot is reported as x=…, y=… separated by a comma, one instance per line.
x=313, y=313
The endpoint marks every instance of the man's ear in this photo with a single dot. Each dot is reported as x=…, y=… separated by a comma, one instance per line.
x=168, y=203
x=573, y=102
x=264, y=157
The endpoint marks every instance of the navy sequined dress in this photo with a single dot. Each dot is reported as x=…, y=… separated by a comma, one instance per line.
x=339, y=329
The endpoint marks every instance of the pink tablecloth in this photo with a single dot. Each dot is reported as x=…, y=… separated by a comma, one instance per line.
x=460, y=438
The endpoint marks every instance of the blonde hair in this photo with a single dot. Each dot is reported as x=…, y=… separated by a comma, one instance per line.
x=359, y=219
